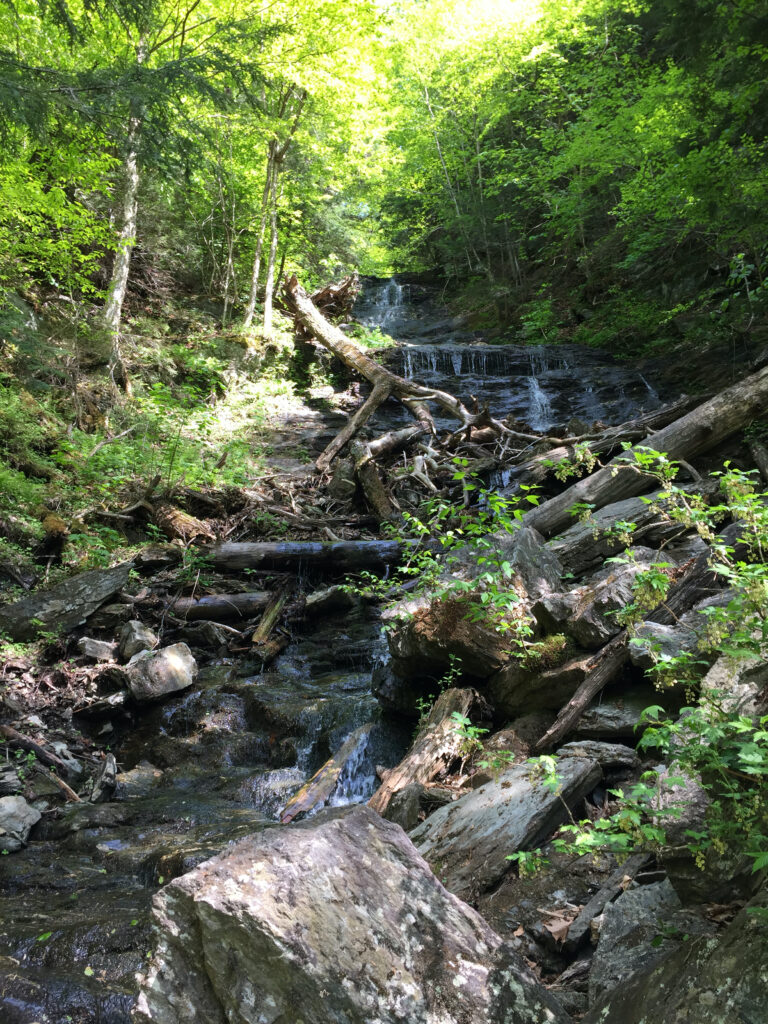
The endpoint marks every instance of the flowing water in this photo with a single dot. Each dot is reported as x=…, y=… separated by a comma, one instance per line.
x=220, y=760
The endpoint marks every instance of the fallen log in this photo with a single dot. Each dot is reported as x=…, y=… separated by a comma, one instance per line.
x=333, y=557
x=385, y=384
x=696, y=432
x=178, y=525
x=17, y=739
x=221, y=607
x=435, y=750
x=697, y=582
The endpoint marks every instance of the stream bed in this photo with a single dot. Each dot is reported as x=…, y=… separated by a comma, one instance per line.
x=220, y=761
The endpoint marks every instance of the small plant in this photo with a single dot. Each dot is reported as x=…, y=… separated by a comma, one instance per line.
x=529, y=862
x=469, y=735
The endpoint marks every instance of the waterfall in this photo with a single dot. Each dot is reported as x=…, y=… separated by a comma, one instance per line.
x=540, y=412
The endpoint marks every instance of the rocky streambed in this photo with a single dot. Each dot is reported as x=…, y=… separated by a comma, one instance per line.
x=284, y=822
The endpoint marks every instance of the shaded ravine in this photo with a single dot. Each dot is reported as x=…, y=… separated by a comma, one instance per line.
x=220, y=760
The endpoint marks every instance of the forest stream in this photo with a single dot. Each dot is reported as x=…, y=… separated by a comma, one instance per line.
x=220, y=761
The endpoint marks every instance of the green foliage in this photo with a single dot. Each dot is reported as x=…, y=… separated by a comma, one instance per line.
x=469, y=734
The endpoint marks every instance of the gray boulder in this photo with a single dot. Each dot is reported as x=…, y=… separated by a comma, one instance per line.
x=335, y=921
x=468, y=841
x=703, y=981
x=155, y=674
x=135, y=637
x=16, y=821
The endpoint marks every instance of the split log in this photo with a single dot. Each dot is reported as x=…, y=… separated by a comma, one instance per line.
x=221, y=607
x=318, y=791
x=435, y=750
x=696, y=432
x=384, y=383
x=333, y=557
x=265, y=646
x=178, y=525
x=697, y=582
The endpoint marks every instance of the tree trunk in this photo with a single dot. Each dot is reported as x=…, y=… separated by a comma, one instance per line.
x=118, y=284
x=221, y=607
x=436, y=749
x=250, y=309
x=698, y=431
x=335, y=557
x=269, y=285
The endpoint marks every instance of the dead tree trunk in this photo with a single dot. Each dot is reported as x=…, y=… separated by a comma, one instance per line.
x=698, y=431
x=385, y=383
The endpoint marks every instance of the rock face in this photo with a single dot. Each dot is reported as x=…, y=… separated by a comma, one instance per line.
x=16, y=821
x=468, y=841
x=704, y=981
x=337, y=921
x=64, y=606
x=155, y=674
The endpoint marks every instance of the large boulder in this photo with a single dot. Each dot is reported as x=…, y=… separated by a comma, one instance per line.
x=704, y=981
x=335, y=921
x=155, y=674
x=468, y=842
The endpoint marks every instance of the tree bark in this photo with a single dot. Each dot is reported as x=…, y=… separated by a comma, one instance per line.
x=221, y=607
x=250, y=309
x=436, y=748
x=269, y=285
x=334, y=557
x=698, y=431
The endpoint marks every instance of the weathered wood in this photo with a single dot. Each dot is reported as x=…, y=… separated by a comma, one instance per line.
x=17, y=739
x=178, y=525
x=436, y=748
x=760, y=454
x=579, y=929
x=221, y=607
x=321, y=787
x=64, y=606
x=371, y=482
x=414, y=396
x=269, y=619
x=333, y=557
x=697, y=582
x=696, y=432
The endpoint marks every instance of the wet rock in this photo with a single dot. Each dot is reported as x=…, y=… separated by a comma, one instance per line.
x=104, y=783
x=154, y=674
x=16, y=821
x=64, y=606
x=468, y=842
x=138, y=782
x=135, y=637
x=395, y=693
x=99, y=650
x=367, y=934
x=703, y=981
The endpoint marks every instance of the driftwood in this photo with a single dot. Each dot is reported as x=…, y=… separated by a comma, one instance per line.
x=333, y=557
x=221, y=607
x=321, y=787
x=435, y=750
x=696, y=432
